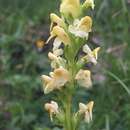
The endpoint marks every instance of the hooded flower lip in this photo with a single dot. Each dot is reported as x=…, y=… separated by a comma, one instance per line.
x=86, y=24
x=82, y=27
x=89, y=3
x=52, y=108
x=83, y=78
x=57, y=80
x=56, y=20
x=86, y=110
x=70, y=8
x=91, y=55
x=60, y=34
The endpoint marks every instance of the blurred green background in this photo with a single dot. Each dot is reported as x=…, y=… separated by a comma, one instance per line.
x=22, y=23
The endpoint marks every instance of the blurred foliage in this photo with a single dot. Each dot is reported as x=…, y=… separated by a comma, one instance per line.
x=22, y=23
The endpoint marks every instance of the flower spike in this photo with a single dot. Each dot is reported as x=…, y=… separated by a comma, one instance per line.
x=70, y=33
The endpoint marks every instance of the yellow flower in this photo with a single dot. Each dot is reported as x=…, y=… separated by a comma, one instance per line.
x=86, y=110
x=82, y=27
x=89, y=3
x=52, y=108
x=56, y=20
x=83, y=78
x=70, y=8
x=57, y=80
x=60, y=34
x=91, y=55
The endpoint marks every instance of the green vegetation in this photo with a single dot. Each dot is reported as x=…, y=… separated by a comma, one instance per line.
x=22, y=23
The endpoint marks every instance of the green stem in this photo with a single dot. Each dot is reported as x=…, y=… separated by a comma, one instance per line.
x=70, y=55
x=68, y=113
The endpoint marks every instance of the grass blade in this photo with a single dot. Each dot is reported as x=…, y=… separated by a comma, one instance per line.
x=119, y=81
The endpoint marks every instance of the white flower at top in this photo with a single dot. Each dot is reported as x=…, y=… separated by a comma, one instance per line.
x=86, y=110
x=52, y=108
x=56, y=80
x=83, y=78
x=81, y=28
x=91, y=55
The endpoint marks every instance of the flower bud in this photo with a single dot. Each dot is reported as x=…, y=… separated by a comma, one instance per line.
x=70, y=8
x=88, y=3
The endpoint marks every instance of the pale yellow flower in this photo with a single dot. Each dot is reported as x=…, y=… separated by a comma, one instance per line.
x=86, y=110
x=60, y=34
x=56, y=20
x=91, y=55
x=82, y=27
x=83, y=78
x=70, y=8
x=52, y=108
x=57, y=61
x=57, y=80
x=89, y=3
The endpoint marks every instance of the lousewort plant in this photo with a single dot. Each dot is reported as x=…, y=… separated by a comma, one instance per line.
x=70, y=32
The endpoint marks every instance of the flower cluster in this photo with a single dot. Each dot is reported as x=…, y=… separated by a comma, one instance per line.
x=70, y=33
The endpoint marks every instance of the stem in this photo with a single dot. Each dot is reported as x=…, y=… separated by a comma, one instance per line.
x=68, y=113
x=68, y=107
x=70, y=55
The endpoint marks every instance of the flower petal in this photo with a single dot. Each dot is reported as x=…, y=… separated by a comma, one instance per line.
x=82, y=107
x=56, y=44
